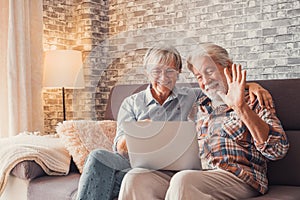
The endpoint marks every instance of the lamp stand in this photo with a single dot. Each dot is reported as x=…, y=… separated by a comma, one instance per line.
x=63, y=101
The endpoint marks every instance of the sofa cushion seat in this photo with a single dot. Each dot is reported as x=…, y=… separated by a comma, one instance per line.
x=54, y=187
x=279, y=192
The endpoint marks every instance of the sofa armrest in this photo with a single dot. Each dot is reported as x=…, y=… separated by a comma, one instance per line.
x=27, y=170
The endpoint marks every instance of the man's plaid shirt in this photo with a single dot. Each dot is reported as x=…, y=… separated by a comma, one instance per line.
x=226, y=143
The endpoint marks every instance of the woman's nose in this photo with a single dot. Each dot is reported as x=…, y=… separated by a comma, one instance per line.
x=163, y=74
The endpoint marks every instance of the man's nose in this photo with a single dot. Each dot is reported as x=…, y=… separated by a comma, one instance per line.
x=205, y=79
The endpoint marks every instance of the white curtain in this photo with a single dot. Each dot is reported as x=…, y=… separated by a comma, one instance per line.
x=21, y=54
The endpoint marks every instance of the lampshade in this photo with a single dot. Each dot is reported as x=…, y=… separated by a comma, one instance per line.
x=63, y=68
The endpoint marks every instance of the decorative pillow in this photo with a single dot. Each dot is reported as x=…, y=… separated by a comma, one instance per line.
x=82, y=136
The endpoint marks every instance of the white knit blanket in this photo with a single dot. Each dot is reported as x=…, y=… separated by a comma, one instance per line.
x=47, y=151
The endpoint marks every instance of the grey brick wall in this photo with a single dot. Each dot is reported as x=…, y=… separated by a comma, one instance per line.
x=262, y=35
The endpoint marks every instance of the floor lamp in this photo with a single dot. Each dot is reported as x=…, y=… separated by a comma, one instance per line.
x=63, y=69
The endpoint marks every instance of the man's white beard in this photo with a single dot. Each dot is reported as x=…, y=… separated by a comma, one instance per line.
x=213, y=95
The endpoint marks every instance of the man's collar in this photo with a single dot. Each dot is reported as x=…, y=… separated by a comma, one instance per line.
x=204, y=101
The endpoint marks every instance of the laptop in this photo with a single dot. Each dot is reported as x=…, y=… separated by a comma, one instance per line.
x=161, y=145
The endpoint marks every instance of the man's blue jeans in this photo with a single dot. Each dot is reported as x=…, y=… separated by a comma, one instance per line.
x=102, y=176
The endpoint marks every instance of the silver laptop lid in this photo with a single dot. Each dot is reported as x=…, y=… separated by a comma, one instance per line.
x=168, y=145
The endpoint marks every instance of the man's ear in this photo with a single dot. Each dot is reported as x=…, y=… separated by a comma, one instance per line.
x=229, y=67
x=191, y=68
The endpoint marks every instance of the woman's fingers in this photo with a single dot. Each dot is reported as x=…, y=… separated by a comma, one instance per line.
x=267, y=99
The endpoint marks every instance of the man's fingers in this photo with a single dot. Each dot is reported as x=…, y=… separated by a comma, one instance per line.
x=227, y=75
x=233, y=69
x=243, y=77
x=239, y=73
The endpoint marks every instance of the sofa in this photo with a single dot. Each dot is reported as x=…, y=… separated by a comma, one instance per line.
x=28, y=181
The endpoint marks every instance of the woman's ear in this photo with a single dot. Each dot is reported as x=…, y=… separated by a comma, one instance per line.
x=146, y=73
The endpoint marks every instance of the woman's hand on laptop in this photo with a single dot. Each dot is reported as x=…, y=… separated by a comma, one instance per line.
x=121, y=144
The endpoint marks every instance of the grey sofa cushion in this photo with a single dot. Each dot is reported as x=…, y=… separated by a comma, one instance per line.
x=285, y=171
x=54, y=187
x=286, y=98
x=277, y=192
x=27, y=170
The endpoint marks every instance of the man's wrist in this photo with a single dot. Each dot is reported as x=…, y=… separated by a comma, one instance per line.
x=241, y=109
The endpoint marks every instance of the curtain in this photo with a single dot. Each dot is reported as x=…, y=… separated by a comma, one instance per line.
x=21, y=54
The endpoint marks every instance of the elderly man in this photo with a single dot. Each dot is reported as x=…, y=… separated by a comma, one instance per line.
x=161, y=101
x=236, y=139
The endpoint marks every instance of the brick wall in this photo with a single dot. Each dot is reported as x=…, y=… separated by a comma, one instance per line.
x=79, y=25
x=262, y=35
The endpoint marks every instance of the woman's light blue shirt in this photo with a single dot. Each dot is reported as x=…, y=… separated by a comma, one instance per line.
x=142, y=106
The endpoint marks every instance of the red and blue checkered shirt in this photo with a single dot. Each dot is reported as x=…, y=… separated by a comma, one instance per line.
x=226, y=143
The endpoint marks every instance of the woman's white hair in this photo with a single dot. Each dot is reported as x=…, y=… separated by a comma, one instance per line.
x=164, y=55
